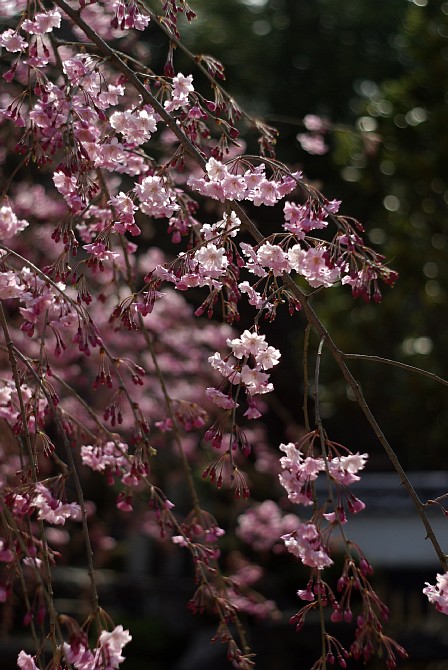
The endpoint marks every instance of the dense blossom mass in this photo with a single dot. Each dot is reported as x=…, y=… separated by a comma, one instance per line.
x=124, y=191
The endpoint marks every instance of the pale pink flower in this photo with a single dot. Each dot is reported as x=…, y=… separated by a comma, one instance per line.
x=110, y=97
x=80, y=657
x=182, y=87
x=344, y=468
x=128, y=15
x=255, y=381
x=10, y=225
x=268, y=358
x=234, y=187
x=109, y=455
x=438, y=594
x=312, y=264
x=305, y=543
x=306, y=594
x=136, y=127
x=10, y=286
x=52, y=510
x=224, y=367
x=252, y=264
x=77, y=67
x=156, y=197
x=298, y=473
x=12, y=41
x=265, y=193
x=336, y=517
x=26, y=662
x=100, y=251
x=43, y=22
x=254, y=177
x=216, y=170
x=212, y=259
x=250, y=342
x=116, y=639
x=262, y=525
x=220, y=399
x=108, y=155
x=294, y=215
x=65, y=184
x=254, y=297
x=273, y=257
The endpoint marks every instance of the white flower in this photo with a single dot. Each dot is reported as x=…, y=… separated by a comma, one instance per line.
x=268, y=358
x=216, y=170
x=212, y=258
x=248, y=343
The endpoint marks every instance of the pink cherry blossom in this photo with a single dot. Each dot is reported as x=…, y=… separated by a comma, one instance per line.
x=10, y=286
x=26, y=662
x=305, y=543
x=182, y=87
x=220, y=399
x=135, y=127
x=212, y=260
x=52, y=510
x=12, y=41
x=438, y=594
x=273, y=257
x=43, y=23
x=262, y=525
x=10, y=225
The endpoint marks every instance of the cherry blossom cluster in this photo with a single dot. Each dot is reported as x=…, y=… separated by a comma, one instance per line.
x=261, y=526
x=298, y=477
x=114, y=461
x=254, y=186
x=253, y=357
x=80, y=656
x=300, y=471
x=49, y=508
x=10, y=225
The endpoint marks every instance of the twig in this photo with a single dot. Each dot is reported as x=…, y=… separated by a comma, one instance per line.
x=396, y=364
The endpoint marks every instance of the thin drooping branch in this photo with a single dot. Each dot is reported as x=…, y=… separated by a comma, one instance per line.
x=397, y=364
x=171, y=414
